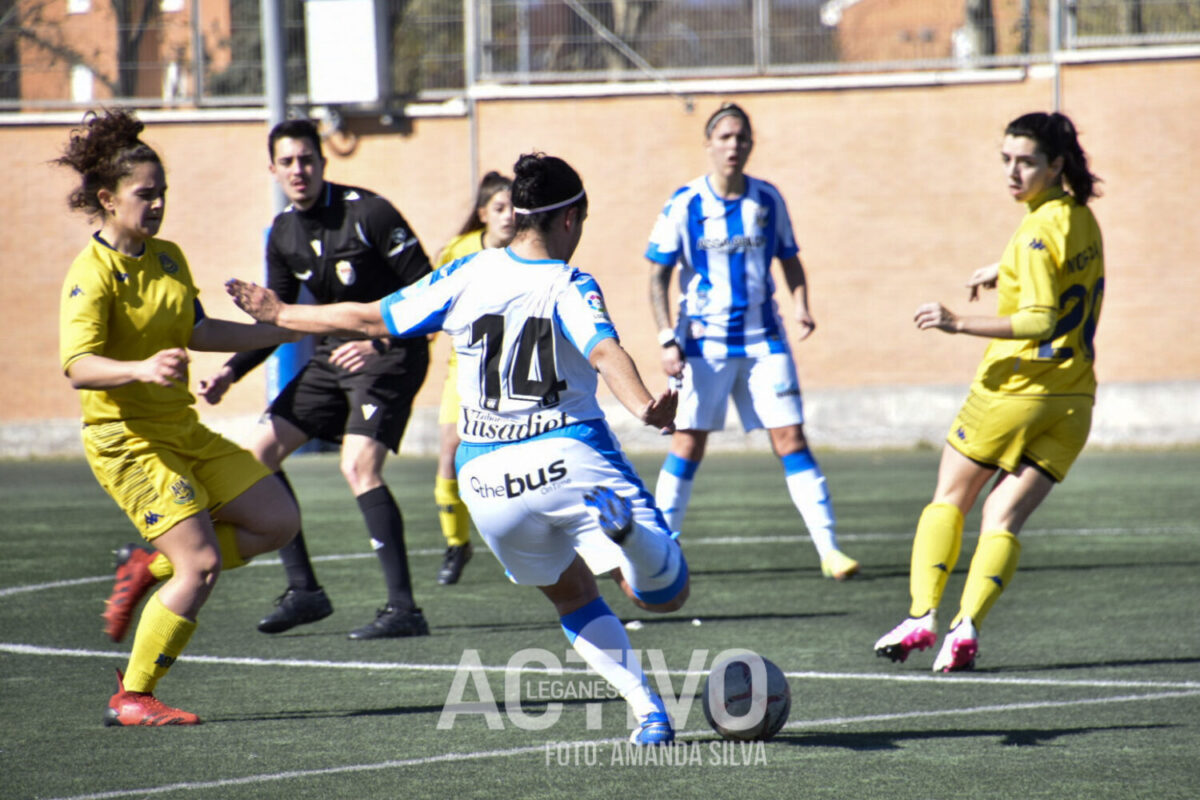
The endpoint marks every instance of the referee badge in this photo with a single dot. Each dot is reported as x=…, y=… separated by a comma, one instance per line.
x=345, y=273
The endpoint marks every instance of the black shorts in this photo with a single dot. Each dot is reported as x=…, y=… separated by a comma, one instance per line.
x=327, y=402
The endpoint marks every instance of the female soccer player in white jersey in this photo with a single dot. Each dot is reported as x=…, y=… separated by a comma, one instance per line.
x=542, y=474
x=1030, y=406
x=722, y=231
x=129, y=308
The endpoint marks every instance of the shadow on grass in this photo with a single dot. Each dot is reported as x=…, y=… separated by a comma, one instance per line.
x=529, y=707
x=1122, y=662
x=893, y=740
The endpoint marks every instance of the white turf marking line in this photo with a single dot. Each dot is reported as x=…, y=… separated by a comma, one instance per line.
x=943, y=680
x=690, y=542
x=530, y=749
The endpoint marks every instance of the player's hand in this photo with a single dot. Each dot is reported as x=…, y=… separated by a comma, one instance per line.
x=673, y=360
x=660, y=411
x=806, y=322
x=936, y=315
x=213, y=389
x=164, y=368
x=353, y=356
x=983, y=277
x=257, y=301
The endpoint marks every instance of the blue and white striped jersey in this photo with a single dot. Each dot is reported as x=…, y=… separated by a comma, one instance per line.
x=522, y=330
x=724, y=249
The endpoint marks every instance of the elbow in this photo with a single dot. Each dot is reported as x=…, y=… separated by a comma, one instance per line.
x=1033, y=324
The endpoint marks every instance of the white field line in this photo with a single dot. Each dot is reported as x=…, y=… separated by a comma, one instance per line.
x=531, y=669
x=688, y=542
x=544, y=748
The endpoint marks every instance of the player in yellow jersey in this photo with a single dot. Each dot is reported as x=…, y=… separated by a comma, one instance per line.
x=129, y=310
x=1030, y=406
x=491, y=223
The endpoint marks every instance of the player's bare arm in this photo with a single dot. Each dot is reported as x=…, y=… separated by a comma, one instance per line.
x=225, y=336
x=351, y=320
x=164, y=368
x=660, y=305
x=797, y=283
x=935, y=316
x=621, y=376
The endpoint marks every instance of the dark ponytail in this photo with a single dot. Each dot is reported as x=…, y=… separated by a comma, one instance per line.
x=544, y=186
x=1056, y=136
x=103, y=149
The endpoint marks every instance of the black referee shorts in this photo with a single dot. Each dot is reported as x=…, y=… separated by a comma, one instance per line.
x=327, y=402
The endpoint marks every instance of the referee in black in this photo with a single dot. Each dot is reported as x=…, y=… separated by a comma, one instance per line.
x=345, y=244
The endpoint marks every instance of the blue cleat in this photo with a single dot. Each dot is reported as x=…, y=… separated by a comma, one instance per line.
x=655, y=729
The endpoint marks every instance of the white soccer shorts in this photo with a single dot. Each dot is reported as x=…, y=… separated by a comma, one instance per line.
x=526, y=499
x=766, y=391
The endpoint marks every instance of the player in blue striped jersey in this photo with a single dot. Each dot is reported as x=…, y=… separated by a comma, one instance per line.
x=722, y=231
x=542, y=474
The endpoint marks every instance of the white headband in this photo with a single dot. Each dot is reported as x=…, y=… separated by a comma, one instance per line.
x=551, y=207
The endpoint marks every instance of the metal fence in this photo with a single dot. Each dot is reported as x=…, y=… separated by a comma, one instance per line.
x=68, y=53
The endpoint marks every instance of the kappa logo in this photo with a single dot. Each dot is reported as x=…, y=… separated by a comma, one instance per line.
x=168, y=266
x=76, y=291
x=151, y=519
x=1037, y=244
x=961, y=434
x=368, y=410
x=399, y=240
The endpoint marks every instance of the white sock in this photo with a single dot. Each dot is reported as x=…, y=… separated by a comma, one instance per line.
x=600, y=639
x=653, y=565
x=673, y=491
x=806, y=485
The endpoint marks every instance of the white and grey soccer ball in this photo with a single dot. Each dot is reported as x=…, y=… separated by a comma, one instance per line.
x=746, y=697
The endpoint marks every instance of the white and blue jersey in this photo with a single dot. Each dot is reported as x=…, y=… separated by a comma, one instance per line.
x=724, y=249
x=523, y=331
x=534, y=439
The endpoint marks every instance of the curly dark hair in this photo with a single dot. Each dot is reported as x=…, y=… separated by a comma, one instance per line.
x=103, y=149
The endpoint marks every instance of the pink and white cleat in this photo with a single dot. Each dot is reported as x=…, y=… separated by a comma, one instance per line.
x=915, y=633
x=960, y=648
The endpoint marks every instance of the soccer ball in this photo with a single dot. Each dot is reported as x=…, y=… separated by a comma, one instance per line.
x=746, y=697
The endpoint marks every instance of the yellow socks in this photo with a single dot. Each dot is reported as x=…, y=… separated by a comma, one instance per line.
x=452, y=512
x=231, y=558
x=160, y=567
x=935, y=551
x=160, y=638
x=992, y=569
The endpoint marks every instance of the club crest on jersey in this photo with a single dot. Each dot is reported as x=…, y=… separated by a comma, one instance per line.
x=761, y=216
x=168, y=266
x=183, y=492
x=345, y=273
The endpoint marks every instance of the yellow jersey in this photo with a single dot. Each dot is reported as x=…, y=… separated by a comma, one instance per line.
x=128, y=309
x=462, y=245
x=1054, y=262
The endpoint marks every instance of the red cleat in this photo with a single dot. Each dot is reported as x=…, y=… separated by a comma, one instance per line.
x=133, y=580
x=142, y=708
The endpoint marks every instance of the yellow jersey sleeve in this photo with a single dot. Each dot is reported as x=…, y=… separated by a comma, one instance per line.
x=461, y=245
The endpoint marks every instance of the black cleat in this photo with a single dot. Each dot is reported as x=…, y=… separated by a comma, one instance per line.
x=296, y=607
x=393, y=623
x=456, y=558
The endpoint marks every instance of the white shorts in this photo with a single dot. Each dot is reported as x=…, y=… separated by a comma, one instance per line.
x=526, y=499
x=765, y=389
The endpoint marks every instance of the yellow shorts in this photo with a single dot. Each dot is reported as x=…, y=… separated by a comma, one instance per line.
x=162, y=471
x=1003, y=430
x=448, y=413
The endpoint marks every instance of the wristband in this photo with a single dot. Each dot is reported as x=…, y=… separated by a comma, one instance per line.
x=379, y=346
x=666, y=338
